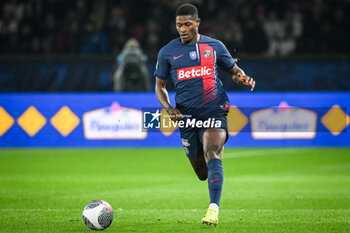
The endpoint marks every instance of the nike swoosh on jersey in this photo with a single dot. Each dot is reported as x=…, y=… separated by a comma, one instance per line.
x=178, y=57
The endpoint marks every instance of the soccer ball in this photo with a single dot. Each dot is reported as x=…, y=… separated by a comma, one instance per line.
x=98, y=215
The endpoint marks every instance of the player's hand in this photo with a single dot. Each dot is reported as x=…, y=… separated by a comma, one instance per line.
x=246, y=80
x=175, y=114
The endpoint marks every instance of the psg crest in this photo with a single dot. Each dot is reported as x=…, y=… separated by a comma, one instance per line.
x=207, y=53
x=193, y=55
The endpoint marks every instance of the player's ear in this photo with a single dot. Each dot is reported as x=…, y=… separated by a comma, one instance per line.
x=198, y=21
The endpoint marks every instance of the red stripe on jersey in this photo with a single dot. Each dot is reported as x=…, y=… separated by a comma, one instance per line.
x=208, y=60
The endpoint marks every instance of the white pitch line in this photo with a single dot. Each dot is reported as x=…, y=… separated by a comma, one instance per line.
x=259, y=152
x=35, y=210
x=186, y=210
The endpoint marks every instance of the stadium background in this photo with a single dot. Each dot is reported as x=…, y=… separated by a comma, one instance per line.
x=58, y=61
x=292, y=49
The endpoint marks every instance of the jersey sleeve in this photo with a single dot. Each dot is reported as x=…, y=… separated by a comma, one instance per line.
x=224, y=58
x=162, y=66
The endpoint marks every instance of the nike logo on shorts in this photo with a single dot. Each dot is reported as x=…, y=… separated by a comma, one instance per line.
x=178, y=57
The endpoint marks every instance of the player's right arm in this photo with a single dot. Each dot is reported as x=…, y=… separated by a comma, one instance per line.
x=162, y=74
x=163, y=98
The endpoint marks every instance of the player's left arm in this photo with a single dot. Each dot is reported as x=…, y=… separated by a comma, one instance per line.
x=226, y=61
x=239, y=77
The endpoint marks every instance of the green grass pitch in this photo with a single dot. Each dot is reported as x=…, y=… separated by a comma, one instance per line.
x=155, y=190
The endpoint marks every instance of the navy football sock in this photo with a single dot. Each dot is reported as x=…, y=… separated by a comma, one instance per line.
x=215, y=180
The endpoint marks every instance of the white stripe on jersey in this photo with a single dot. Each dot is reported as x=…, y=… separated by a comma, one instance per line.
x=214, y=66
x=197, y=52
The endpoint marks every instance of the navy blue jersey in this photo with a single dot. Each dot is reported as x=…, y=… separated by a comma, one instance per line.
x=193, y=70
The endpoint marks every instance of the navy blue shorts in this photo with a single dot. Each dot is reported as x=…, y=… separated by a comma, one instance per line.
x=192, y=136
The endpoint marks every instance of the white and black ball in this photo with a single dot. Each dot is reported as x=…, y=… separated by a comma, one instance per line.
x=98, y=215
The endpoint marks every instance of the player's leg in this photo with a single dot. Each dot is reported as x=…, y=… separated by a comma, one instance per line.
x=196, y=156
x=200, y=167
x=194, y=151
x=213, y=142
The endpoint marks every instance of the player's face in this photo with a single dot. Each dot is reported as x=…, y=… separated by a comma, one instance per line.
x=187, y=27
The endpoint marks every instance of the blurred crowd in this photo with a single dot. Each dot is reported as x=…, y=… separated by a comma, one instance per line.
x=264, y=27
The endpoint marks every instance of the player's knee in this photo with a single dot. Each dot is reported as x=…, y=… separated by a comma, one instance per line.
x=202, y=176
x=213, y=152
x=202, y=173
